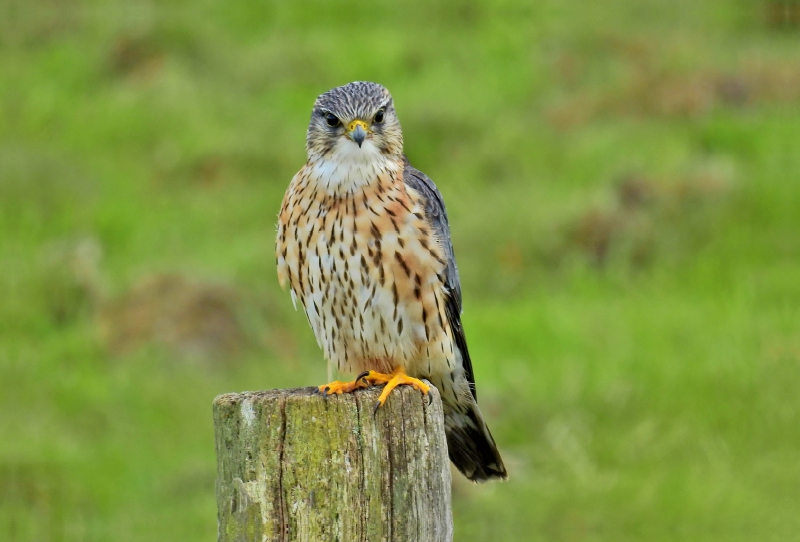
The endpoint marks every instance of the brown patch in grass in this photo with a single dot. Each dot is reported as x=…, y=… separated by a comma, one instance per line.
x=644, y=212
x=593, y=233
x=191, y=318
x=654, y=92
x=510, y=257
x=782, y=14
x=137, y=57
x=209, y=170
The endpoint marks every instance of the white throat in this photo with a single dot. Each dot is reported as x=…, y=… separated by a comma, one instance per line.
x=349, y=167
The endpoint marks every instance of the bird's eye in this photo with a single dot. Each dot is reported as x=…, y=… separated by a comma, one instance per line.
x=331, y=119
x=379, y=116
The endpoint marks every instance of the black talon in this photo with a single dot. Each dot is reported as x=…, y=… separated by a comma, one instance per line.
x=362, y=375
x=377, y=406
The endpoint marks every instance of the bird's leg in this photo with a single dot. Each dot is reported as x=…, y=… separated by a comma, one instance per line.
x=363, y=380
x=374, y=378
x=398, y=377
x=339, y=387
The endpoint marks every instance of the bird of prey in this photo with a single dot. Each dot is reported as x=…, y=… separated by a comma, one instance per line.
x=364, y=243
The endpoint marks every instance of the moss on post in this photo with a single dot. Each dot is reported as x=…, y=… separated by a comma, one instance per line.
x=296, y=465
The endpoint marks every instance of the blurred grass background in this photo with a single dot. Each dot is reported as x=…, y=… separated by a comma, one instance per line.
x=622, y=184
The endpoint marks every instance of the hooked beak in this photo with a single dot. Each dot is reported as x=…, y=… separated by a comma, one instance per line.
x=357, y=131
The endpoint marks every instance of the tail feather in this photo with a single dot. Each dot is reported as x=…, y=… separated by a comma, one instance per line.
x=471, y=446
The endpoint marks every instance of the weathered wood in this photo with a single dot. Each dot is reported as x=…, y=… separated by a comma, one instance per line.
x=296, y=465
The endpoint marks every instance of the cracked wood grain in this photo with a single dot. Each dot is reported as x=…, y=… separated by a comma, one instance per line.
x=293, y=465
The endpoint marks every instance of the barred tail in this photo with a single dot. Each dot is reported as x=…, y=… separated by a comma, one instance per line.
x=470, y=444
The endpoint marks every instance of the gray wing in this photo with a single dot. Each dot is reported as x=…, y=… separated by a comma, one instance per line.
x=436, y=215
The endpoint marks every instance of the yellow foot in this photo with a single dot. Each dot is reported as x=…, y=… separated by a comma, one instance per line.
x=364, y=380
x=338, y=387
x=397, y=378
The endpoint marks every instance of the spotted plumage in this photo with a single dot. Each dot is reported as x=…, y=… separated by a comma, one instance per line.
x=364, y=245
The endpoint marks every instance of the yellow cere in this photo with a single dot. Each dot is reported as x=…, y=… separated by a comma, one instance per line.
x=352, y=126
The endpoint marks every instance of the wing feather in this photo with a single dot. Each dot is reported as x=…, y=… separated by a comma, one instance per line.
x=436, y=215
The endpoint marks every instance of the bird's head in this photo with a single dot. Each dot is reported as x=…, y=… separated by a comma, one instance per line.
x=357, y=122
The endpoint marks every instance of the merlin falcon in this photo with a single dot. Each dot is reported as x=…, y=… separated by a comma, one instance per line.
x=364, y=244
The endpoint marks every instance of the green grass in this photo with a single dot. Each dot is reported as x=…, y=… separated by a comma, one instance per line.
x=637, y=362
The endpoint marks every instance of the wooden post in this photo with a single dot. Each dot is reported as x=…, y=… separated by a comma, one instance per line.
x=293, y=465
